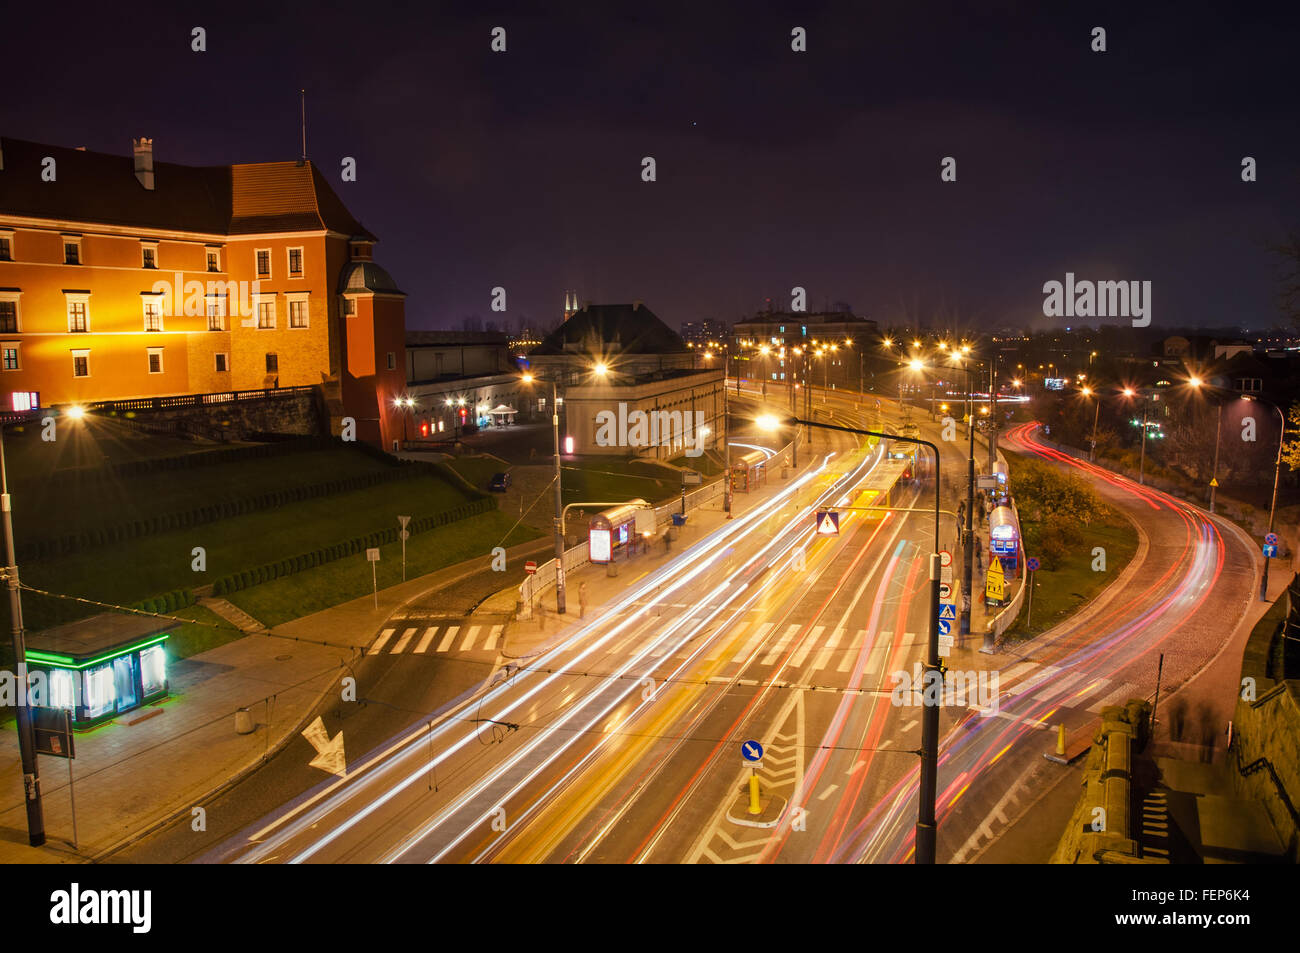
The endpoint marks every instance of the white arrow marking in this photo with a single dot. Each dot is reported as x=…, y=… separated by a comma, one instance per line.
x=329, y=753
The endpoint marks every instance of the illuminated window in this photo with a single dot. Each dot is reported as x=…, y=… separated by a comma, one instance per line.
x=298, y=314
x=153, y=669
x=266, y=314
x=10, y=353
x=152, y=315
x=62, y=692
x=216, y=307
x=100, y=693
x=78, y=315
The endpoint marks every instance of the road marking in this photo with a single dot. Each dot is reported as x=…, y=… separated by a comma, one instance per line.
x=857, y=767
x=495, y=634
x=469, y=637
x=807, y=646
x=828, y=792
x=910, y=725
x=379, y=642
x=447, y=639
x=404, y=641
x=1113, y=698
x=425, y=639
x=824, y=655
x=847, y=662
x=780, y=645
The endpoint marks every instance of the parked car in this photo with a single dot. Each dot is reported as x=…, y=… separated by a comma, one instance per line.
x=499, y=483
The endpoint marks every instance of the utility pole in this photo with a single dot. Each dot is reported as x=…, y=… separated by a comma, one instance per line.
x=1214, y=475
x=1272, y=509
x=968, y=544
x=559, y=503
x=726, y=444
x=26, y=731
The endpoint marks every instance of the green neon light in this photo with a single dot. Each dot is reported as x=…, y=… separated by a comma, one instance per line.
x=62, y=661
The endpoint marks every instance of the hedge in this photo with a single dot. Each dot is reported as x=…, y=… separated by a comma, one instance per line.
x=166, y=603
x=235, y=581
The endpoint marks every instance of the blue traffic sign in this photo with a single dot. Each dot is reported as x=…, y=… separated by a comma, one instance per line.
x=1032, y=563
x=752, y=751
x=1270, y=551
x=947, y=610
x=945, y=627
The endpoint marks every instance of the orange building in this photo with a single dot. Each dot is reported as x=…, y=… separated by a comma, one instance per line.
x=126, y=278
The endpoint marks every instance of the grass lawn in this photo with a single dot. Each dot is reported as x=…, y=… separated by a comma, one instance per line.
x=306, y=592
x=478, y=471
x=144, y=567
x=43, y=510
x=1060, y=593
x=190, y=640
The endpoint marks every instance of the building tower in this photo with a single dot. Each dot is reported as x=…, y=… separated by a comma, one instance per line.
x=570, y=304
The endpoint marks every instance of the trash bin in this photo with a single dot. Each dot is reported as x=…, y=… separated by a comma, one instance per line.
x=611, y=568
x=244, y=724
x=679, y=519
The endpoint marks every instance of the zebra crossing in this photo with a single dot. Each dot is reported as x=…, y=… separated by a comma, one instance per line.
x=821, y=649
x=425, y=639
x=1069, y=688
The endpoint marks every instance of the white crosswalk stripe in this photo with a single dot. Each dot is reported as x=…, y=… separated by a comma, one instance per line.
x=495, y=634
x=755, y=640
x=807, y=646
x=849, y=658
x=828, y=650
x=381, y=641
x=404, y=641
x=447, y=639
x=425, y=639
x=469, y=637
x=779, y=645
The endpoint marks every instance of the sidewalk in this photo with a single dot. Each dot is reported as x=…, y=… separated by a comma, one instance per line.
x=150, y=765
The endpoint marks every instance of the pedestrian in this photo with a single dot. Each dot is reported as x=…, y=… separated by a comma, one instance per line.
x=668, y=541
x=541, y=615
x=979, y=556
x=582, y=600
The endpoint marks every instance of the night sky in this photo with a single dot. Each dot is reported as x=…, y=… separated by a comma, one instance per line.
x=775, y=168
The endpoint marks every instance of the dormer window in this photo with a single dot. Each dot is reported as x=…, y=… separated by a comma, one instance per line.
x=72, y=249
x=149, y=255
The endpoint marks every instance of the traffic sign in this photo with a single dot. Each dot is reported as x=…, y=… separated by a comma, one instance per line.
x=986, y=483
x=995, y=583
x=945, y=644
x=372, y=555
x=751, y=751
x=1032, y=563
x=828, y=522
x=945, y=591
x=1214, y=481
x=945, y=558
x=1271, y=539
x=945, y=576
x=945, y=627
x=947, y=610
x=1270, y=551
x=530, y=567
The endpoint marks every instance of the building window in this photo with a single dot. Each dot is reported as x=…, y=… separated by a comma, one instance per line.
x=1250, y=385
x=295, y=262
x=223, y=363
x=273, y=364
x=264, y=263
x=9, y=317
x=152, y=316
x=297, y=314
x=72, y=252
x=266, y=314
x=155, y=360
x=214, y=261
x=10, y=352
x=349, y=307
x=216, y=307
x=80, y=363
x=541, y=404
x=24, y=400
x=392, y=361
x=78, y=319
x=149, y=255
x=6, y=248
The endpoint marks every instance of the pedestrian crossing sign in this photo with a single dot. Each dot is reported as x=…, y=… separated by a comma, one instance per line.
x=828, y=522
x=995, y=589
x=947, y=610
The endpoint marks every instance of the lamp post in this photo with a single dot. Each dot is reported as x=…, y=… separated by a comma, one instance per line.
x=1092, y=444
x=1142, y=458
x=1272, y=507
x=926, y=821
x=26, y=730
x=559, y=495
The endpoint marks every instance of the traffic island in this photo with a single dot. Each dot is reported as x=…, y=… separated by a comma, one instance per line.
x=771, y=807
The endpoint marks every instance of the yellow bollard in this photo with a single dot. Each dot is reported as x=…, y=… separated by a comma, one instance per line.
x=753, y=794
x=1060, y=739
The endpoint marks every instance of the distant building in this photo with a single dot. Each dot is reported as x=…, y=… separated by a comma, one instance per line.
x=618, y=366
x=460, y=378
x=853, y=361
x=705, y=334
x=125, y=278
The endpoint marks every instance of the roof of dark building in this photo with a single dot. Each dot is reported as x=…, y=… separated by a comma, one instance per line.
x=367, y=276
x=97, y=634
x=454, y=338
x=612, y=328
x=101, y=188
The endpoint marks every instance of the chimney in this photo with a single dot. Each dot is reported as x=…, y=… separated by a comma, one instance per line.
x=636, y=305
x=143, y=149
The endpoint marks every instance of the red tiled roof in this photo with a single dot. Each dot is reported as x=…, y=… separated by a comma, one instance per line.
x=97, y=187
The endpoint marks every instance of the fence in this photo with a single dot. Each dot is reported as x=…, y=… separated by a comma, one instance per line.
x=196, y=400
x=576, y=556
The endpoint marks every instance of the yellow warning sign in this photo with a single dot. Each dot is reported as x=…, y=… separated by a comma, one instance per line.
x=1214, y=481
x=995, y=588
